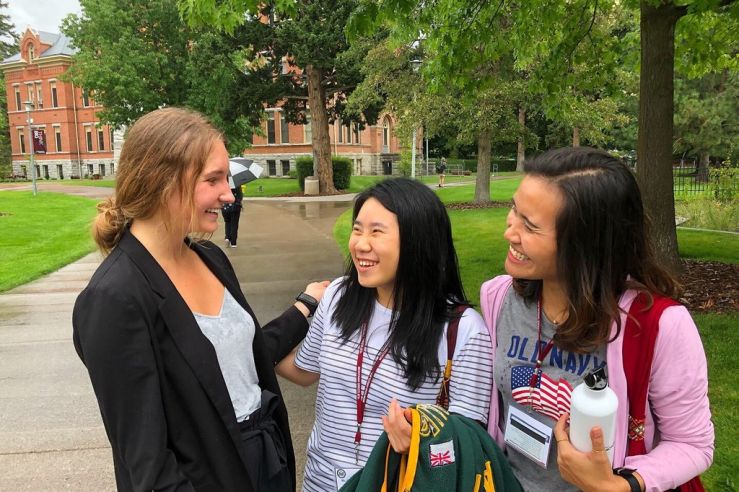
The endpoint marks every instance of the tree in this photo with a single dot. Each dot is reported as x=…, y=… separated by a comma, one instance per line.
x=544, y=35
x=307, y=37
x=138, y=55
x=707, y=118
x=8, y=47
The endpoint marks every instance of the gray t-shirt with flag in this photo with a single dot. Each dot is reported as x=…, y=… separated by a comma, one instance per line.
x=515, y=358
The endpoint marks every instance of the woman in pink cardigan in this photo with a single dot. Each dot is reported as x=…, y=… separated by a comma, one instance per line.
x=579, y=253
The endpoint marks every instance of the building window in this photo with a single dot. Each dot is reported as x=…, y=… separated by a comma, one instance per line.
x=272, y=167
x=31, y=53
x=90, y=170
x=22, y=140
x=39, y=96
x=271, y=127
x=307, y=129
x=88, y=135
x=356, y=133
x=386, y=133
x=112, y=143
x=285, y=167
x=348, y=130
x=58, y=138
x=54, y=97
x=101, y=139
x=24, y=170
x=18, y=102
x=85, y=98
x=60, y=171
x=29, y=92
x=284, y=129
x=45, y=171
x=102, y=169
x=339, y=128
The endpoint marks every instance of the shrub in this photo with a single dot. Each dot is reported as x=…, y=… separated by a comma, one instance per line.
x=303, y=168
x=342, y=167
x=292, y=174
x=723, y=182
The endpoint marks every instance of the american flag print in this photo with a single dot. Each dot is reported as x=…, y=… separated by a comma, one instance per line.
x=441, y=454
x=549, y=396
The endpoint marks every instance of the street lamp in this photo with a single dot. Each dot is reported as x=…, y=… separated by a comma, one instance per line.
x=415, y=64
x=29, y=107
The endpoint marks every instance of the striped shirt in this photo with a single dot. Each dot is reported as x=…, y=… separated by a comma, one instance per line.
x=331, y=444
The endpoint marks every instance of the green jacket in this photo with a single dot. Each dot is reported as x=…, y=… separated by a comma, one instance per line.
x=448, y=452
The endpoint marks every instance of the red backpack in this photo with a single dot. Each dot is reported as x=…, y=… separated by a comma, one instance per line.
x=640, y=335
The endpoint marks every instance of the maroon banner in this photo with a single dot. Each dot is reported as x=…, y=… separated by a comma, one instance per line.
x=39, y=141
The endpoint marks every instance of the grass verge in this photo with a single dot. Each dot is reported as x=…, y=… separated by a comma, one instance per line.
x=42, y=234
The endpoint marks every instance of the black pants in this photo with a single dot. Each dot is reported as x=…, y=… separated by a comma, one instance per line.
x=232, y=224
x=265, y=447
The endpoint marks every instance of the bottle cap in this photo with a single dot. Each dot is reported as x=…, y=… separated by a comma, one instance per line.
x=597, y=379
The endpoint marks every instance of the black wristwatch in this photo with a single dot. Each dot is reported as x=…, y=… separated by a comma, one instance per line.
x=628, y=475
x=309, y=301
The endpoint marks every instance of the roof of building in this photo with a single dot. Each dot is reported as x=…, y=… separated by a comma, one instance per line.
x=60, y=45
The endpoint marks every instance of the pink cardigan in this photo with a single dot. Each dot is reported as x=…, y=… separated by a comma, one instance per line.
x=678, y=395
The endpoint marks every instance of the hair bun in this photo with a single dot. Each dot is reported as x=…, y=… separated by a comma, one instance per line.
x=109, y=224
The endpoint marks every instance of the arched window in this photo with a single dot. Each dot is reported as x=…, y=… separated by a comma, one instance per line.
x=31, y=52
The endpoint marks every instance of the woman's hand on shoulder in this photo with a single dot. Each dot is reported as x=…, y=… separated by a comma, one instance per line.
x=587, y=471
x=317, y=289
x=397, y=426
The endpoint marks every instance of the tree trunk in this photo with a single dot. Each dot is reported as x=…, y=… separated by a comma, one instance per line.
x=319, y=127
x=521, y=150
x=701, y=174
x=576, y=137
x=656, y=109
x=482, y=183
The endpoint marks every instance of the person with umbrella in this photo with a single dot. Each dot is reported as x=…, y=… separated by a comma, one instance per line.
x=241, y=172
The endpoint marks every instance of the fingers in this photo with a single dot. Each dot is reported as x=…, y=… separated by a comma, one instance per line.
x=397, y=427
x=560, y=430
x=596, y=438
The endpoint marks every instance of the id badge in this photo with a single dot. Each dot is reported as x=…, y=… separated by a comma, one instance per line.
x=342, y=475
x=528, y=436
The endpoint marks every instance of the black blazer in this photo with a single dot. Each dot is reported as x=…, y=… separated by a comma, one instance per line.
x=163, y=400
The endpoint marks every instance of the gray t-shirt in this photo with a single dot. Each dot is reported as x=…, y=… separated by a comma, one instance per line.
x=515, y=358
x=232, y=336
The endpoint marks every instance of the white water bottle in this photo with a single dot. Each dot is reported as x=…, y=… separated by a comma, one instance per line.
x=593, y=404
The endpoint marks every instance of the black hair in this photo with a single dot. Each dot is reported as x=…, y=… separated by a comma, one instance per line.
x=427, y=284
x=603, y=245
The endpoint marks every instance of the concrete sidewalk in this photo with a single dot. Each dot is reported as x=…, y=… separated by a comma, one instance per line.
x=51, y=435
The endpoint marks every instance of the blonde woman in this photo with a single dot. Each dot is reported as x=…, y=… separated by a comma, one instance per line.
x=182, y=371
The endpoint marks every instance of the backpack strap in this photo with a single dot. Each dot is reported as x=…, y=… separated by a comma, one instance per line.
x=640, y=336
x=442, y=398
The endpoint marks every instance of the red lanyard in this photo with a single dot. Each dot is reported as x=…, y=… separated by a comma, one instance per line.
x=536, y=376
x=362, y=395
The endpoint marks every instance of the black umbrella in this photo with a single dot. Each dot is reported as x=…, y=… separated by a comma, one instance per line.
x=242, y=171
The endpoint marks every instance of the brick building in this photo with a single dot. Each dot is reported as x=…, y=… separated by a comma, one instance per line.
x=373, y=150
x=77, y=145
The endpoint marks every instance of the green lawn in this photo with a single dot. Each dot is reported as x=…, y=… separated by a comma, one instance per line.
x=41, y=234
x=100, y=183
x=478, y=238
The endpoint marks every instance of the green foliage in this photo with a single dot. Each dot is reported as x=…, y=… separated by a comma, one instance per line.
x=304, y=167
x=724, y=183
x=26, y=254
x=8, y=47
x=705, y=213
x=342, y=167
x=137, y=55
x=405, y=163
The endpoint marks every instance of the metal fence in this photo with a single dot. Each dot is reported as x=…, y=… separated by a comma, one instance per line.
x=690, y=179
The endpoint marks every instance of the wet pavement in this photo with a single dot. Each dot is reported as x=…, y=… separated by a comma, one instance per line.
x=51, y=435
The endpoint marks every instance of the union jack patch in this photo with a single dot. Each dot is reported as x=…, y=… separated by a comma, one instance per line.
x=441, y=454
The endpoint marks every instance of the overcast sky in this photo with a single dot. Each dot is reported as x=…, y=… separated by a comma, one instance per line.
x=42, y=15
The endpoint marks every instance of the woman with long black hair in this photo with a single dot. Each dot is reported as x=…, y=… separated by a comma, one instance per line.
x=378, y=341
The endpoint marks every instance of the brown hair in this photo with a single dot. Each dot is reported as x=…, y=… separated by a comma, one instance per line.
x=164, y=153
x=603, y=243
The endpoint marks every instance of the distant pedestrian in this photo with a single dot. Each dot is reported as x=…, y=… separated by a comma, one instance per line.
x=231, y=215
x=441, y=169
